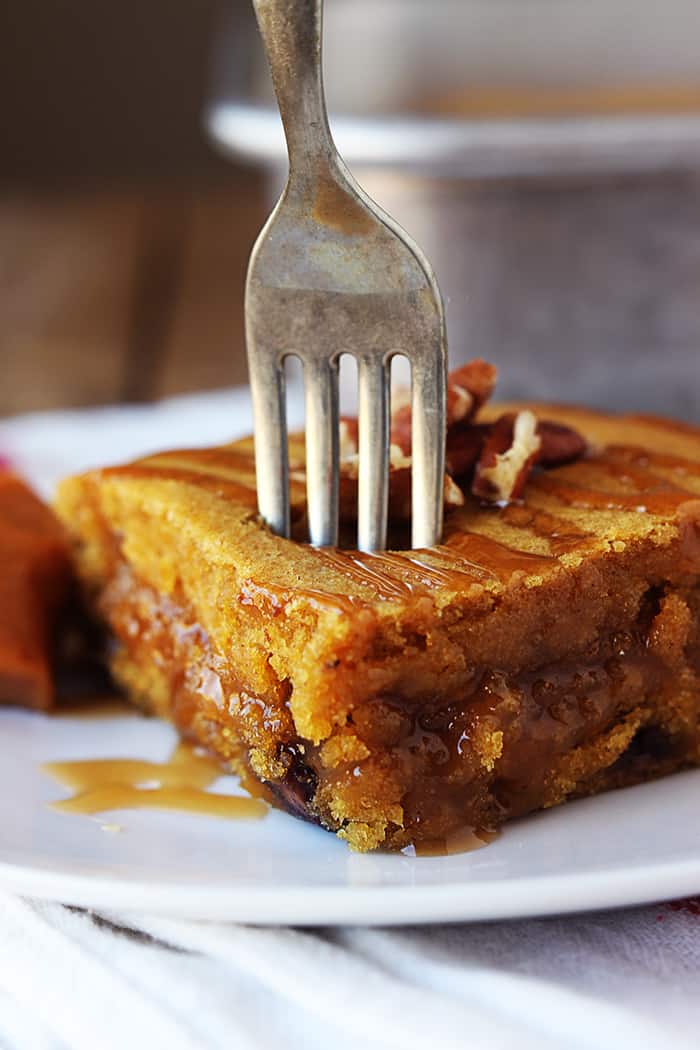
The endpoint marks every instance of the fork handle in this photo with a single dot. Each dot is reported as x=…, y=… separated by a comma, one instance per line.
x=292, y=34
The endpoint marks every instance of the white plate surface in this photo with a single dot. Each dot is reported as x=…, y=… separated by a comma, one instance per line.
x=623, y=848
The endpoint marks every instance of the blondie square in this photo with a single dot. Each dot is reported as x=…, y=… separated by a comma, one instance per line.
x=546, y=649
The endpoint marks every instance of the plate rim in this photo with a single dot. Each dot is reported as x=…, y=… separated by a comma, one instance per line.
x=479, y=900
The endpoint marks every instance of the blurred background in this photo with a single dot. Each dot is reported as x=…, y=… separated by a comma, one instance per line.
x=545, y=153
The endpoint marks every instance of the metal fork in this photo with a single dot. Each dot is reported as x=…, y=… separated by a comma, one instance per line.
x=331, y=274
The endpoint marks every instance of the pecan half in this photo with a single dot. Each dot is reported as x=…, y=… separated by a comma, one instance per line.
x=560, y=444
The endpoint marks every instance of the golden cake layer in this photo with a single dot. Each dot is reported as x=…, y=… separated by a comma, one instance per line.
x=546, y=649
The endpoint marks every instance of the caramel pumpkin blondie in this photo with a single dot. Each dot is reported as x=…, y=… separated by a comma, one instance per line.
x=549, y=647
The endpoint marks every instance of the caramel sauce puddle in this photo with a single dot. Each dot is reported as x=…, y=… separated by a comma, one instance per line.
x=466, y=840
x=105, y=784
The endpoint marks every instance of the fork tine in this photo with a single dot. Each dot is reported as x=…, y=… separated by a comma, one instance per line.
x=429, y=385
x=322, y=451
x=373, y=495
x=271, y=454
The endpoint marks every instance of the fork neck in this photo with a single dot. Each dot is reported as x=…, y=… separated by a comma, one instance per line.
x=292, y=33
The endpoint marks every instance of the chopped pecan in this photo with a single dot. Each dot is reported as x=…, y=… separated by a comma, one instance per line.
x=513, y=446
x=349, y=451
x=399, y=490
x=509, y=452
x=494, y=460
x=349, y=437
x=453, y=495
x=463, y=449
x=468, y=388
x=399, y=477
x=400, y=494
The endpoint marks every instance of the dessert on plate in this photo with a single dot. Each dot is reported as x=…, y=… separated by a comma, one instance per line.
x=548, y=648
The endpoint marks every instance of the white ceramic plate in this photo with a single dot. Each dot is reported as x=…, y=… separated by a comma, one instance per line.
x=623, y=848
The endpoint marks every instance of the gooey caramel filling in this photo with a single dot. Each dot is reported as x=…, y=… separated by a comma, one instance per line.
x=498, y=747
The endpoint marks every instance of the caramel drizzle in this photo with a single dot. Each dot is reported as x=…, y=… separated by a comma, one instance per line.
x=643, y=490
x=102, y=785
x=392, y=576
x=236, y=491
x=641, y=457
x=636, y=477
x=395, y=576
x=464, y=557
x=562, y=536
x=674, y=426
x=483, y=552
x=229, y=472
x=369, y=570
x=596, y=499
x=399, y=574
x=448, y=573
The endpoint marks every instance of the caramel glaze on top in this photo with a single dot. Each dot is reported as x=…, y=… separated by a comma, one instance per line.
x=615, y=478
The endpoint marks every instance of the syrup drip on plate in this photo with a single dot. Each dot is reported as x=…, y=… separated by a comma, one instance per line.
x=466, y=840
x=105, y=784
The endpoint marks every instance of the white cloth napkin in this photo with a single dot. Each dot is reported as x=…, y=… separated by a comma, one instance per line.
x=79, y=980
x=75, y=980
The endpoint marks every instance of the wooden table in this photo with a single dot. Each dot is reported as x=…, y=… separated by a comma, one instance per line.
x=123, y=294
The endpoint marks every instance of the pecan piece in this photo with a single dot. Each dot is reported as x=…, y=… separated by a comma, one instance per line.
x=508, y=455
x=468, y=388
x=560, y=444
x=494, y=458
x=463, y=448
x=399, y=490
x=399, y=478
x=349, y=437
x=400, y=494
x=514, y=445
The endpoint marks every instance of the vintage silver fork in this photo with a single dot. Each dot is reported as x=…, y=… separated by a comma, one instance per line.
x=332, y=274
